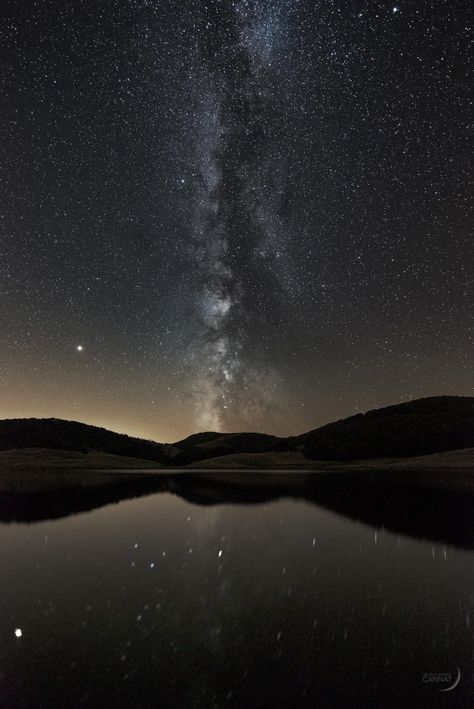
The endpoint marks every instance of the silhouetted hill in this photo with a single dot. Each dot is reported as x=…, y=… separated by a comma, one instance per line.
x=74, y=436
x=210, y=445
x=414, y=428
x=197, y=438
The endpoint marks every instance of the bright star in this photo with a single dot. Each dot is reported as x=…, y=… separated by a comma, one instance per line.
x=395, y=9
x=18, y=632
x=79, y=348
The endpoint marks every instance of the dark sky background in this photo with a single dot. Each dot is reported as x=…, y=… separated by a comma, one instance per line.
x=246, y=215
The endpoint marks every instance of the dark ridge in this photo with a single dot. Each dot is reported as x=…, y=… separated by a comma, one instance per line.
x=420, y=427
x=197, y=438
x=75, y=436
x=213, y=445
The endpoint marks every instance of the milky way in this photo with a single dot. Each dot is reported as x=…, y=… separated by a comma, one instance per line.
x=249, y=214
x=238, y=228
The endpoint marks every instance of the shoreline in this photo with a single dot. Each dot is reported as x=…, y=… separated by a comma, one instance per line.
x=36, y=470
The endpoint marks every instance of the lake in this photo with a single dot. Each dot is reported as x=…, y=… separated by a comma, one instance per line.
x=159, y=601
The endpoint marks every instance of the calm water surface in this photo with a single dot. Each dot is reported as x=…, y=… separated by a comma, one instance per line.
x=158, y=602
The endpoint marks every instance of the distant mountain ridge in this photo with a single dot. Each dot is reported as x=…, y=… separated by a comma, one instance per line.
x=72, y=435
x=419, y=427
x=206, y=445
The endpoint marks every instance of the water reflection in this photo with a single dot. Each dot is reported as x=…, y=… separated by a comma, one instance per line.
x=425, y=513
x=162, y=602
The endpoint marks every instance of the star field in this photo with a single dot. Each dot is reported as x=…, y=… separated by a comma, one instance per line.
x=242, y=215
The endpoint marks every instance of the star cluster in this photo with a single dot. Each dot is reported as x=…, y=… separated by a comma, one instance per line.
x=233, y=214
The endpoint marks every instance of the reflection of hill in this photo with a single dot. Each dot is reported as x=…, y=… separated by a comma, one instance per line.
x=53, y=504
x=438, y=515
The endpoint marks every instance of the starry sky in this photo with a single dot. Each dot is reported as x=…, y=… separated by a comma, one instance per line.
x=233, y=215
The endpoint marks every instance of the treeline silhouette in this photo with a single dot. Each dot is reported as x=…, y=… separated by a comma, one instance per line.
x=74, y=436
x=211, y=445
x=420, y=427
x=414, y=428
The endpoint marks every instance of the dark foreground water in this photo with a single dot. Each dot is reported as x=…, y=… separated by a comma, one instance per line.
x=160, y=602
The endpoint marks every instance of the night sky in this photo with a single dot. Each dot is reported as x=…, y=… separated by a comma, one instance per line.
x=242, y=215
